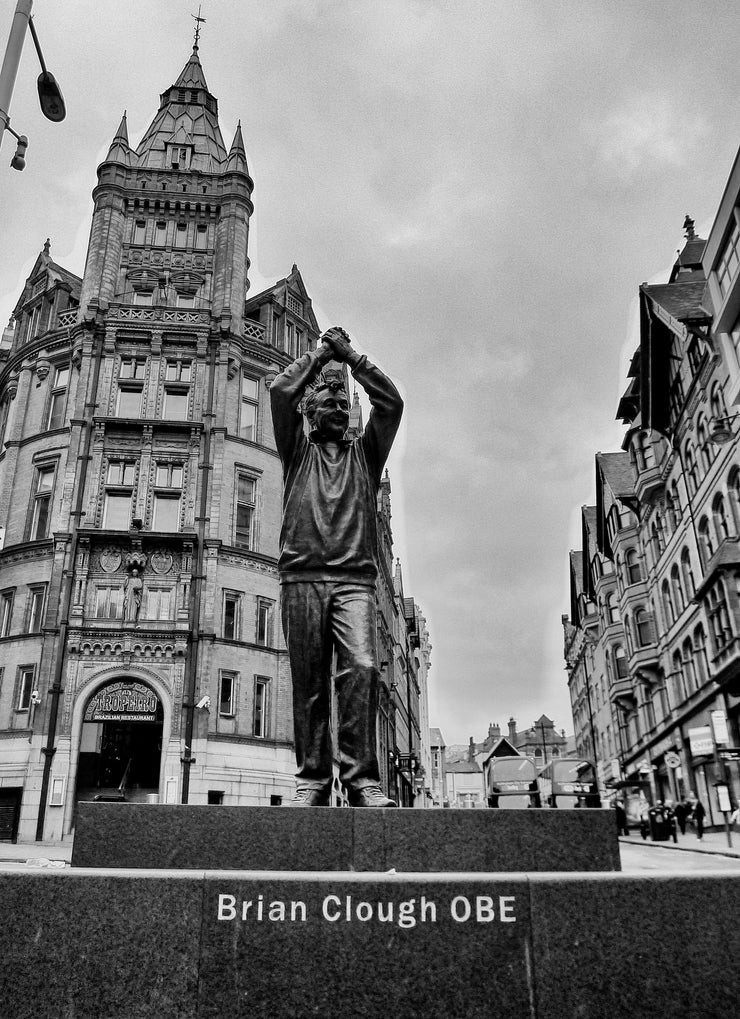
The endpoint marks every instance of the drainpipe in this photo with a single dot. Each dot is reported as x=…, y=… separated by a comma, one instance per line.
x=56, y=690
x=191, y=661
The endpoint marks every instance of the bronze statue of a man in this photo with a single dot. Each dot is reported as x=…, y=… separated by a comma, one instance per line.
x=328, y=565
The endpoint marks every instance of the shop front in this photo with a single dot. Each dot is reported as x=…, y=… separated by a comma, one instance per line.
x=120, y=752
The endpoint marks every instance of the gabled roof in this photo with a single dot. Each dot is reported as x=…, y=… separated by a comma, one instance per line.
x=436, y=739
x=278, y=292
x=463, y=767
x=55, y=273
x=503, y=748
x=682, y=300
x=617, y=471
x=576, y=584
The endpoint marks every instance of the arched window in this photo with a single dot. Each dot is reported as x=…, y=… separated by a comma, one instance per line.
x=620, y=662
x=4, y=415
x=700, y=657
x=644, y=454
x=679, y=599
x=612, y=608
x=702, y=444
x=719, y=616
x=717, y=402
x=671, y=517
x=733, y=488
x=689, y=668
x=628, y=634
x=668, y=609
x=659, y=530
x=648, y=707
x=687, y=574
x=632, y=564
x=676, y=496
x=644, y=627
x=613, y=523
x=706, y=544
x=692, y=474
x=678, y=677
x=721, y=523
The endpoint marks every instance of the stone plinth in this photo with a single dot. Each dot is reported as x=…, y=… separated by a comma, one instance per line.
x=133, y=835
x=239, y=945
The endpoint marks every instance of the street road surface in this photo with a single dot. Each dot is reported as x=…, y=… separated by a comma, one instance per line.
x=642, y=859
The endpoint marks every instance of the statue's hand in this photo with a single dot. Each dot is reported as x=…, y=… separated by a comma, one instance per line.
x=338, y=340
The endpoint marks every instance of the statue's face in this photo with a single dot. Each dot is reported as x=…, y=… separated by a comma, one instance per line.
x=331, y=414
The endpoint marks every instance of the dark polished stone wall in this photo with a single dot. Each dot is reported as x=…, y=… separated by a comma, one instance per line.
x=89, y=944
x=322, y=839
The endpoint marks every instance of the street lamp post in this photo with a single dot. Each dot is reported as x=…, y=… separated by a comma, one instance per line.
x=12, y=59
x=50, y=96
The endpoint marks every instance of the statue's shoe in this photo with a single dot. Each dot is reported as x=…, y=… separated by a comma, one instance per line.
x=369, y=796
x=307, y=797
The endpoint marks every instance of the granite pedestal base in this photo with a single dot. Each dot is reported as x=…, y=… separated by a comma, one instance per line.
x=140, y=835
x=86, y=944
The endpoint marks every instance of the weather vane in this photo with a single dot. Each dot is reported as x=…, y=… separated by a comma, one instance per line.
x=198, y=21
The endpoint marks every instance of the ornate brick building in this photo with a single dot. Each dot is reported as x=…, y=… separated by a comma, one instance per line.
x=141, y=652
x=652, y=639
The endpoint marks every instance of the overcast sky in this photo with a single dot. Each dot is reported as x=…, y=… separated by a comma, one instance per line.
x=475, y=191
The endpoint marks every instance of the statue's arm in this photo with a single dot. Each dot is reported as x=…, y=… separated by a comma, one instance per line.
x=385, y=414
x=286, y=393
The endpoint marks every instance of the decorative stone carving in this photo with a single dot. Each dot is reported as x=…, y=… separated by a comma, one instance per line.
x=161, y=561
x=110, y=560
x=41, y=368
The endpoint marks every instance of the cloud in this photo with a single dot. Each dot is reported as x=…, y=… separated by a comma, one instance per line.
x=648, y=132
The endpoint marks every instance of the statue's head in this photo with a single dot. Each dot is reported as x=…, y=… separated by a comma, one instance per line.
x=327, y=407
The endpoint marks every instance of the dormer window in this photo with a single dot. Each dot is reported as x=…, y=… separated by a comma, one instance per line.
x=178, y=156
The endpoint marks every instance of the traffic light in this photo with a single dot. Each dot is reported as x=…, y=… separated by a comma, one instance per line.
x=19, y=159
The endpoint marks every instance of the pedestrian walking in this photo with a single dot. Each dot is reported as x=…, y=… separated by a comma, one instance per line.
x=621, y=813
x=698, y=813
x=644, y=824
x=682, y=811
x=670, y=815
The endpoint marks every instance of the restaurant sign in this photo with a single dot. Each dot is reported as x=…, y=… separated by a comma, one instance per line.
x=124, y=701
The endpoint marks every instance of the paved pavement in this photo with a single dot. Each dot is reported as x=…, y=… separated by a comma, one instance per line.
x=714, y=842
x=35, y=854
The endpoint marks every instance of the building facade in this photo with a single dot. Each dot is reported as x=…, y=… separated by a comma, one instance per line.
x=652, y=643
x=141, y=653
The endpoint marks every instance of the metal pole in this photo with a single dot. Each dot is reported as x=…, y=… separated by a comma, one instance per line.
x=11, y=60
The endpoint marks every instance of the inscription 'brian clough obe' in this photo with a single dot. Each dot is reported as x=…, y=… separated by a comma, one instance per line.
x=348, y=909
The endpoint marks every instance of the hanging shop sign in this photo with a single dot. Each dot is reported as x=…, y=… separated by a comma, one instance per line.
x=719, y=725
x=672, y=759
x=701, y=741
x=124, y=701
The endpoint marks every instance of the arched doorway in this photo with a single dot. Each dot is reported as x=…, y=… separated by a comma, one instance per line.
x=121, y=743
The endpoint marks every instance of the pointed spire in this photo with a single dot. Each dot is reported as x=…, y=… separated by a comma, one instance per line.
x=191, y=76
x=237, y=159
x=120, y=150
x=187, y=116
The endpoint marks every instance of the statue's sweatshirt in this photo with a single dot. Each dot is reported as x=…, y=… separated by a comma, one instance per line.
x=329, y=529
